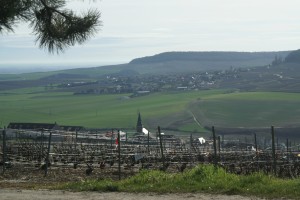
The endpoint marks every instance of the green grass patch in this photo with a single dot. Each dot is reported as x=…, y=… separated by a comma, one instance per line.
x=168, y=110
x=194, y=127
x=250, y=109
x=202, y=178
x=96, y=111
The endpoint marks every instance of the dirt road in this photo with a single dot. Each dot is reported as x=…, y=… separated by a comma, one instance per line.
x=9, y=194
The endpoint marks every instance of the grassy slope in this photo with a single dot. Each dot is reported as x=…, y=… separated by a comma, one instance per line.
x=105, y=111
x=169, y=110
x=90, y=72
x=200, y=179
x=253, y=109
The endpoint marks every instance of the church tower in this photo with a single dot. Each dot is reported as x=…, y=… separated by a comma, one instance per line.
x=139, y=125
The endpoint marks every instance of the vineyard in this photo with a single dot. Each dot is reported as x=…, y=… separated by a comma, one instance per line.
x=76, y=155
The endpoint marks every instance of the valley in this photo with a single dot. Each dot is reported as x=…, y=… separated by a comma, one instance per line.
x=191, y=101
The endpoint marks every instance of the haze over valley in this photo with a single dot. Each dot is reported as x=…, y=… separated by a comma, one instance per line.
x=202, y=56
x=233, y=84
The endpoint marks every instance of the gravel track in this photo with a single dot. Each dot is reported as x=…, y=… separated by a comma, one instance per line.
x=9, y=194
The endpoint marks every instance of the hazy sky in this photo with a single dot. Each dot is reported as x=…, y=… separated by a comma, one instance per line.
x=136, y=28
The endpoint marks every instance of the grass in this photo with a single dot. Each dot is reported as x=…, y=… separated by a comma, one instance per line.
x=192, y=127
x=203, y=178
x=99, y=111
x=169, y=110
x=249, y=109
x=90, y=72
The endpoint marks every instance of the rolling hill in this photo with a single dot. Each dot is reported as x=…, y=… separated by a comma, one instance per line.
x=49, y=97
x=168, y=62
x=187, y=62
x=248, y=58
x=256, y=70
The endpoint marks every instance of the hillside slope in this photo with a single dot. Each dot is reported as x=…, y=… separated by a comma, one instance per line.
x=208, y=56
x=197, y=61
x=167, y=63
x=293, y=57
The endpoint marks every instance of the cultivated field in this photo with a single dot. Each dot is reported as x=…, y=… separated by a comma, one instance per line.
x=80, y=156
x=181, y=111
x=250, y=109
x=93, y=161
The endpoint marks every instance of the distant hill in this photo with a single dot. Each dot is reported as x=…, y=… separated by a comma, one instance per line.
x=293, y=57
x=185, y=62
x=213, y=56
x=163, y=63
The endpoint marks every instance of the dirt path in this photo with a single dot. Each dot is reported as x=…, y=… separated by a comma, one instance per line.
x=9, y=194
x=196, y=120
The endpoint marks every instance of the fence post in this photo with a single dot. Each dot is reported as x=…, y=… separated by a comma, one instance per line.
x=148, y=148
x=48, y=152
x=215, y=146
x=287, y=149
x=119, y=153
x=219, y=147
x=42, y=147
x=219, y=144
x=4, y=150
x=256, y=149
x=161, y=146
x=255, y=142
x=191, y=148
x=76, y=137
x=273, y=150
x=111, y=139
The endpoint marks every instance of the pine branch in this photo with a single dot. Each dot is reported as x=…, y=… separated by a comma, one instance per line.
x=12, y=11
x=56, y=30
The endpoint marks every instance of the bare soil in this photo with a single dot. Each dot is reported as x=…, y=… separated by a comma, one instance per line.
x=9, y=194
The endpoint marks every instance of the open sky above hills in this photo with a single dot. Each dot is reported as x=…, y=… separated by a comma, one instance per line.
x=135, y=28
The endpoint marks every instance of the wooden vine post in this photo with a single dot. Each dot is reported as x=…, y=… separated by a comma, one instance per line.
x=191, y=147
x=148, y=146
x=4, y=149
x=112, y=138
x=273, y=149
x=48, y=152
x=161, y=146
x=287, y=149
x=119, y=154
x=215, y=146
x=255, y=142
x=76, y=137
x=42, y=146
x=219, y=148
x=256, y=149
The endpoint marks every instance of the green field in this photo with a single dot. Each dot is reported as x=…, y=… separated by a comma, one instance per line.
x=101, y=111
x=252, y=109
x=168, y=110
